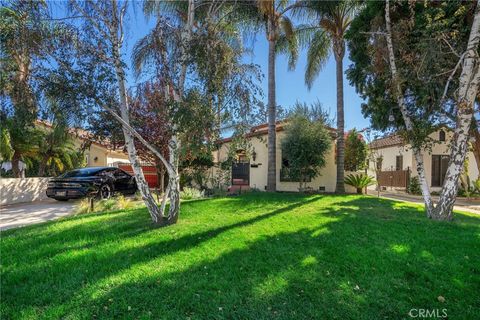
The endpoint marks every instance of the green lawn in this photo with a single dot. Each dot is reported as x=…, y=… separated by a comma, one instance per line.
x=258, y=256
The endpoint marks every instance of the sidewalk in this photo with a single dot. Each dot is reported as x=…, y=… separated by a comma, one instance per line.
x=462, y=204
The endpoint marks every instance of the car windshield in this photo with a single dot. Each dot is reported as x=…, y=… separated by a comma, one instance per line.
x=86, y=172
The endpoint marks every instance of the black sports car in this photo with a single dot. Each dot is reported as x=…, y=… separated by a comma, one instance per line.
x=99, y=182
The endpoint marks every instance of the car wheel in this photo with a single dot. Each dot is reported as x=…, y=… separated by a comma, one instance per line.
x=105, y=192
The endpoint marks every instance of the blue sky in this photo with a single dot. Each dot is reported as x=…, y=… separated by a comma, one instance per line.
x=290, y=84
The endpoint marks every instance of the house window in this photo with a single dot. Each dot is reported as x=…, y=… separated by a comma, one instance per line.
x=379, y=163
x=241, y=156
x=399, y=163
x=441, y=135
x=286, y=174
x=439, y=169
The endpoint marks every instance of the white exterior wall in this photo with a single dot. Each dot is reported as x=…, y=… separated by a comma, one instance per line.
x=104, y=157
x=258, y=175
x=17, y=190
x=390, y=157
x=439, y=148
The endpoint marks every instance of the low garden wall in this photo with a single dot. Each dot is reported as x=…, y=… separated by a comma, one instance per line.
x=17, y=190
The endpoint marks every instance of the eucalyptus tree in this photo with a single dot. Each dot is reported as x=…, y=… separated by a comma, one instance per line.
x=104, y=25
x=418, y=73
x=323, y=35
x=211, y=58
x=172, y=76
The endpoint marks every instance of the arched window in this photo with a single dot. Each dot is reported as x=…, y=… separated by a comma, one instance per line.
x=441, y=135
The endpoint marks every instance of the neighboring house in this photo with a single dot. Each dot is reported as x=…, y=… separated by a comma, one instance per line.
x=251, y=171
x=97, y=153
x=394, y=160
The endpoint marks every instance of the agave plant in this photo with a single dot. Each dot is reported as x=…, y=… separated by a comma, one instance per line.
x=359, y=181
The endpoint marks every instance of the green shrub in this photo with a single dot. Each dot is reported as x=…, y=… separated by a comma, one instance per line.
x=476, y=185
x=112, y=204
x=414, y=186
x=359, y=181
x=218, y=192
x=191, y=193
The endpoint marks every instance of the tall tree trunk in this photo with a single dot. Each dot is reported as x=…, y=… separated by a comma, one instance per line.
x=406, y=118
x=16, y=164
x=272, y=114
x=173, y=188
x=147, y=196
x=340, y=187
x=476, y=142
x=173, y=183
x=467, y=92
x=42, y=166
x=160, y=174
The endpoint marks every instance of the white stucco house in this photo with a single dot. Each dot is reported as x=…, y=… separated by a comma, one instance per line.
x=393, y=157
x=249, y=169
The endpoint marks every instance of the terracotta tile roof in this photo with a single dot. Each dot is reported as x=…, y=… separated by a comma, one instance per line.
x=262, y=129
x=84, y=135
x=388, y=141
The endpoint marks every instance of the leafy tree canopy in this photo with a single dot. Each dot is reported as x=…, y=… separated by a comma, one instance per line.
x=428, y=38
x=305, y=146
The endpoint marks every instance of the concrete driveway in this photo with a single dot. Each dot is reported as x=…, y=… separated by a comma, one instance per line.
x=21, y=214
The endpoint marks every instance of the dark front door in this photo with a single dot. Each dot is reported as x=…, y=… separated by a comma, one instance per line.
x=240, y=173
x=439, y=169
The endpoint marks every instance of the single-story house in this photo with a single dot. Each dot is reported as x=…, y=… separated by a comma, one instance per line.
x=250, y=167
x=395, y=162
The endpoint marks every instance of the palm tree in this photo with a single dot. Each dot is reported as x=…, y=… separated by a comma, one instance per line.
x=278, y=27
x=324, y=35
x=18, y=143
x=56, y=150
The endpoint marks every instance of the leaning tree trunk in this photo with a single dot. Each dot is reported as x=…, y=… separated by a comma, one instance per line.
x=476, y=142
x=406, y=117
x=420, y=167
x=272, y=114
x=147, y=197
x=467, y=92
x=174, y=143
x=339, y=53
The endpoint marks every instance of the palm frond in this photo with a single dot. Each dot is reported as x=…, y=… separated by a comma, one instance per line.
x=290, y=42
x=317, y=56
x=171, y=9
x=143, y=51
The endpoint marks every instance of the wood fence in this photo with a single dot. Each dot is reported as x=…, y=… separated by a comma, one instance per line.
x=394, y=179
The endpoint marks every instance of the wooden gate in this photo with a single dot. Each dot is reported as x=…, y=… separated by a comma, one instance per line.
x=394, y=179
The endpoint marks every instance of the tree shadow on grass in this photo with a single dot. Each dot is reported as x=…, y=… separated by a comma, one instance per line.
x=58, y=265
x=54, y=237
x=347, y=268
x=335, y=270
x=357, y=259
